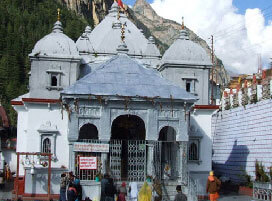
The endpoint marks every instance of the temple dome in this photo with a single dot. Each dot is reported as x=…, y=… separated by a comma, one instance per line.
x=55, y=44
x=83, y=44
x=185, y=51
x=151, y=49
x=105, y=37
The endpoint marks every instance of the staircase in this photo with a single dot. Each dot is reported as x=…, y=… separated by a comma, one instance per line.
x=169, y=190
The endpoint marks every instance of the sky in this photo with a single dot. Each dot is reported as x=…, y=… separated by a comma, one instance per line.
x=242, y=29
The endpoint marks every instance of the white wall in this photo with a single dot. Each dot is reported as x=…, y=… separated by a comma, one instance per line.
x=28, y=137
x=203, y=120
x=240, y=136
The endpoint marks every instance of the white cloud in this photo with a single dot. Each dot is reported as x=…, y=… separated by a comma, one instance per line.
x=243, y=36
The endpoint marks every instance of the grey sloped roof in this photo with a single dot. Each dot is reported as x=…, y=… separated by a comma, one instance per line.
x=123, y=76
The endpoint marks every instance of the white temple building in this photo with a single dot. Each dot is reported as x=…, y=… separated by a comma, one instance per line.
x=112, y=101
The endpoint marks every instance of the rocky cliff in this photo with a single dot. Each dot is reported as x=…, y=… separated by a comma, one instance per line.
x=143, y=15
x=93, y=10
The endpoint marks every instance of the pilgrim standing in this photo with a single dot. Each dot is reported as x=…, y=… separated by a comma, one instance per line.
x=122, y=192
x=213, y=186
x=133, y=191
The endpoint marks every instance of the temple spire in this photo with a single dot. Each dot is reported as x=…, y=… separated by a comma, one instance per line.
x=58, y=14
x=182, y=25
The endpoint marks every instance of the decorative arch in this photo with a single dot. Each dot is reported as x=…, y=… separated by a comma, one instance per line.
x=88, y=132
x=128, y=127
x=46, y=145
x=167, y=133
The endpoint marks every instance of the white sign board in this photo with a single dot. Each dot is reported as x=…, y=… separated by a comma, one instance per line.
x=90, y=147
x=87, y=163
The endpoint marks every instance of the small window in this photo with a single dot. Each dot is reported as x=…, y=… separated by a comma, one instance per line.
x=46, y=145
x=54, y=81
x=188, y=86
x=193, y=152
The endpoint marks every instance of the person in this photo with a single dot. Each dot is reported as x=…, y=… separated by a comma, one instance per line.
x=180, y=196
x=78, y=189
x=167, y=172
x=104, y=180
x=63, y=186
x=133, y=191
x=110, y=190
x=122, y=192
x=71, y=192
x=157, y=189
x=7, y=172
x=145, y=193
x=213, y=186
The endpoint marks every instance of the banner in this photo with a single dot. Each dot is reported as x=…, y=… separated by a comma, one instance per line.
x=91, y=147
x=88, y=163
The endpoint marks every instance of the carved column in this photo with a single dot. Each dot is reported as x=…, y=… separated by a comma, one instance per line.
x=150, y=160
x=183, y=169
x=104, y=159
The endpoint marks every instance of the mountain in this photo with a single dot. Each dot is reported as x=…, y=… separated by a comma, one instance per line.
x=93, y=10
x=167, y=31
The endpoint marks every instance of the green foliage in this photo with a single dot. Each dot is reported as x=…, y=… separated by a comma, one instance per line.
x=260, y=173
x=22, y=24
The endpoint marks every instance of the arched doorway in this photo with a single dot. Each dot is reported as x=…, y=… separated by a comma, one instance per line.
x=167, y=138
x=88, y=134
x=128, y=138
x=128, y=127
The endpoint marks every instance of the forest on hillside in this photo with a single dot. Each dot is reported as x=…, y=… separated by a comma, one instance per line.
x=23, y=23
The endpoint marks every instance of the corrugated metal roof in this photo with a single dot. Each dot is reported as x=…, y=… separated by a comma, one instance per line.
x=123, y=76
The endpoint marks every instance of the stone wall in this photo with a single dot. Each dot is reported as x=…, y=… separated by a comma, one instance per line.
x=241, y=136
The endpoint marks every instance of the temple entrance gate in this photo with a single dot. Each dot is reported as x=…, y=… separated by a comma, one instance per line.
x=128, y=148
x=128, y=160
x=168, y=148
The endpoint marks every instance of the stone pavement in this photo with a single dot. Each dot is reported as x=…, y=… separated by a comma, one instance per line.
x=235, y=198
x=5, y=191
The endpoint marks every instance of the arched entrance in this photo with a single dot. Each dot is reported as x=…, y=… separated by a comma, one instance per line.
x=128, y=127
x=128, y=144
x=88, y=134
x=167, y=138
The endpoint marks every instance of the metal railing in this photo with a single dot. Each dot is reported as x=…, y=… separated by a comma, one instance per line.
x=262, y=191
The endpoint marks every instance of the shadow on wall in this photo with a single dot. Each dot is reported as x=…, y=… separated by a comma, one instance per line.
x=235, y=166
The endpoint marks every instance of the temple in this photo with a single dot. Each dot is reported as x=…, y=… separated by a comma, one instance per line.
x=110, y=103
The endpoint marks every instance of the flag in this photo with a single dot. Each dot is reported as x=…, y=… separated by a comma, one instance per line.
x=245, y=85
x=120, y=4
x=264, y=74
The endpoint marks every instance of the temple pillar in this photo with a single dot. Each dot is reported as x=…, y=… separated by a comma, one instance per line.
x=183, y=169
x=150, y=160
x=104, y=159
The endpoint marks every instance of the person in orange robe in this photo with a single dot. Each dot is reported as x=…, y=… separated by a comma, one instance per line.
x=213, y=186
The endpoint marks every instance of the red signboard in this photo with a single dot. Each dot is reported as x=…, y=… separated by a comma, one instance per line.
x=88, y=163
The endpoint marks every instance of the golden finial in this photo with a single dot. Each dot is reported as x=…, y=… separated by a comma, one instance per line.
x=182, y=25
x=58, y=14
x=118, y=14
x=123, y=33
